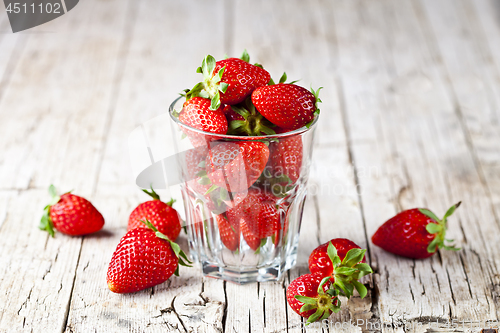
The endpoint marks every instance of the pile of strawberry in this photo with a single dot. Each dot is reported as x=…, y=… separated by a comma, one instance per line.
x=238, y=98
x=243, y=179
x=146, y=255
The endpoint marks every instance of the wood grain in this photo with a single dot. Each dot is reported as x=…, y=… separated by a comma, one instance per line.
x=410, y=118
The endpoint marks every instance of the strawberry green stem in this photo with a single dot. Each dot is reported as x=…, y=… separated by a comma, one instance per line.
x=153, y=194
x=348, y=271
x=211, y=86
x=46, y=222
x=254, y=124
x=439, y=229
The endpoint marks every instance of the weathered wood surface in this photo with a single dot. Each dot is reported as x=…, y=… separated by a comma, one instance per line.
x=411, y=117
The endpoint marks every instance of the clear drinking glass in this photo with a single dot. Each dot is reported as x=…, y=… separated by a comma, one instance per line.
x=243, y=225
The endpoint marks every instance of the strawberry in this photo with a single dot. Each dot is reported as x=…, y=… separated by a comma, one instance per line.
x=159, y=213
x=286, y=105
x=313, y=296
x=228, y=81
x=71, y=215
x=346, y=271
x=231, y=114
x=196, y=173
x=195, y=113
x=235, y=166
x=415, y=233
x=259, y=209
x=144, y=258
x=252, y=241
x=285, y=157
x=229, y=232
x=320, y=262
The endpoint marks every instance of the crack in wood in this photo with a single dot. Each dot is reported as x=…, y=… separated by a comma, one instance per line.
x=68, y=305
x=466, y=275
x=451, y=287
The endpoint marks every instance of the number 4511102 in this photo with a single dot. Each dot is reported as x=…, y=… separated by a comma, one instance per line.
x=49, y=8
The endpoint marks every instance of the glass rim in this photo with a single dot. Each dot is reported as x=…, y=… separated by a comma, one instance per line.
x=240, y=137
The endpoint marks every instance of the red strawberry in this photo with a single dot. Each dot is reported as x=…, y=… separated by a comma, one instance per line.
x=196, y=173
x=235, y=166
x=195, y=113
x=260, y=213
x=285, y=157
x=252, y=241
x=229, y=232
x=71, y=215
x=286, y=105
x=312, y=296
x=159, y=213
x=228, y=81
x=320, y=262
x=143, y=258
x=345, y=272
x=414, y=233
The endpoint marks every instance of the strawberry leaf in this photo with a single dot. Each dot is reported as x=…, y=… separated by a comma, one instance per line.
x=315, y=316
x=326, y=314
x=245, y=56
x=46, y=222
x=204, y=181
x=215, y=101
x=430, y=214
x=305, y=299
x=353, y=257
x=223, y=87
x=332, y=254
x=362, y=267
x=152, y=194
x=345, y=270
x=208, y=66
x=323, y=281
x=211, y=189
x=195, y=91
x=283, y=78
x=307, y=307
x=52, y=191
x=451, y=210
x=219, y=76
x=339, y=282
x=360, y=288
x=431, y=248
x=433, y=228
x=335, y=308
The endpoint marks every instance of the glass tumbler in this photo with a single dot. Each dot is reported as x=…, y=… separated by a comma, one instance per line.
x=243, y=197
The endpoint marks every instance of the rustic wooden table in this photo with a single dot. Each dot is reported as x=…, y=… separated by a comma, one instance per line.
x=410, y=117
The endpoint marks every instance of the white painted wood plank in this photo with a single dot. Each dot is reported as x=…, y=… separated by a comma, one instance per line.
x=60, y=92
